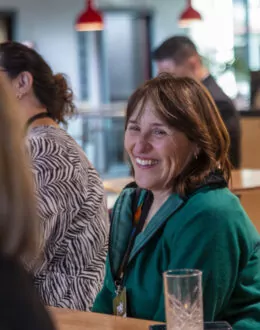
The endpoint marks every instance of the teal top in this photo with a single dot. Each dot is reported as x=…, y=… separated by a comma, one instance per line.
x=210, y=232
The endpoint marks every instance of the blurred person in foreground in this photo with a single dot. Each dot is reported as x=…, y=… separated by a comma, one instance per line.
x=181, y=214
x=179, y=55
x=20, y=305
x=70, y=194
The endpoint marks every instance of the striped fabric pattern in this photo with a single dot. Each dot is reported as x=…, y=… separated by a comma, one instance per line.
x=73, y=217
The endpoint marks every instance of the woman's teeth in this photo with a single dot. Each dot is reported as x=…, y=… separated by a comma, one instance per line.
x=146, y=162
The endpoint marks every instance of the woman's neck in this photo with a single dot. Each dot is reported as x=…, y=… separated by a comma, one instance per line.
x=44, y=122
x=159, y=198
x=47, y=121
x=30, y=107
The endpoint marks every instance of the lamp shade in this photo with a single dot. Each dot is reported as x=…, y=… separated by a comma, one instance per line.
x=90, y=19
x=189, y=15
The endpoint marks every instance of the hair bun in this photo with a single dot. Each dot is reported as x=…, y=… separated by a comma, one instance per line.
x=64, y=98
x=60, y=81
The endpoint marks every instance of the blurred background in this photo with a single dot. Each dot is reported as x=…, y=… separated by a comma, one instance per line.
x=104, y=67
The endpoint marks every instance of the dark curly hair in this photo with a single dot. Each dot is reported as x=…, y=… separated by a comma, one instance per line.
x=51, y=90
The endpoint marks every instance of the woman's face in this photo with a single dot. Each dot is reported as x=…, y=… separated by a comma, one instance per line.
x=156, y=150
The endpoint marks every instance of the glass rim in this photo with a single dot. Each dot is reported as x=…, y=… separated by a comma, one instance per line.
x=183, y=272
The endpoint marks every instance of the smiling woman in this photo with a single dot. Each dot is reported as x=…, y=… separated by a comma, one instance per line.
x=156, y=148
x=182, y=215
x=177, y=110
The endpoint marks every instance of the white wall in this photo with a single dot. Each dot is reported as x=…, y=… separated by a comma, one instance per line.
x=166, y=14
x=49, y=24
x=120, y=62
x=216, y=43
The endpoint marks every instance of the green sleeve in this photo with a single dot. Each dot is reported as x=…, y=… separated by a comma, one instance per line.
x=204, y=244
x=219, y=243
x=103, y=303
x=104, y=300
x=244, y=313
x=160, y=313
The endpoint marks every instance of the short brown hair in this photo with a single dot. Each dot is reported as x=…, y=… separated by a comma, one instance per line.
x=18, y=221
x=186, y=105
x=177, y=48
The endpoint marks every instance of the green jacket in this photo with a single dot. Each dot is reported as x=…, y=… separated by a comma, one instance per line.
x=210, y=232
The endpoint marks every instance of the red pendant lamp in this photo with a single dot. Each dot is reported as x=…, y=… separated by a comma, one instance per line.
x=189, y=15
x=90, y=19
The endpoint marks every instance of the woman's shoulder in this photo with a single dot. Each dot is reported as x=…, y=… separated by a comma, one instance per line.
x=58, y=145
x=125, y=198
x=50, y=134
x=215, y=201
x=211, y=219
x=124, y=202
x=218, y=211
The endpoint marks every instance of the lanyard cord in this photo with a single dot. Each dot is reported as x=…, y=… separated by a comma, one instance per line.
x=139, y=216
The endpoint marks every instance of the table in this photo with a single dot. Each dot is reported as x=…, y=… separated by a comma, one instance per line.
x=245, y=180
x=117, y=184
x=66, y=319
x=246, y=184
x=242, y=180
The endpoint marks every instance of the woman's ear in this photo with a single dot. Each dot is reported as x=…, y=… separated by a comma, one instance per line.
x=196, y=151
x=22, y=84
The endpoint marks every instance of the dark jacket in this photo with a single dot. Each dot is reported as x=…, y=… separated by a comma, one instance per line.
x=230, y=117
x=20, y=306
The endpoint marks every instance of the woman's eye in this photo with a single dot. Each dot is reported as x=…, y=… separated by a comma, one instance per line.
x=159, y=132
x=133, y=128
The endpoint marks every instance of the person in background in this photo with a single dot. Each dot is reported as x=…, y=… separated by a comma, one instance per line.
x=182, y=214
x=20, y=305
x=179, y=55
x=70, y=194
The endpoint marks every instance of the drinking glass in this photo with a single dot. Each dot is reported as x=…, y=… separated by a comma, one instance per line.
x=183, y=299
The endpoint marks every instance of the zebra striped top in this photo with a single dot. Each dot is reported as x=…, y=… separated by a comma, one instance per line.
x=74, y=219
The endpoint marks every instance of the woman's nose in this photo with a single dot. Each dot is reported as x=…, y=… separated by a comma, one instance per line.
x=142, y=145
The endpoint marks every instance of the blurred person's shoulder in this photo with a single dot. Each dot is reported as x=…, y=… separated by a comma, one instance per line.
x=55, y=142
x=49, y=134
x=222, y=100
x=20, y=306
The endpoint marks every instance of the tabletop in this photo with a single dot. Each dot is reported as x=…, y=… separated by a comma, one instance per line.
x=66, y=319
x=242, y=180
x=245, y=180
